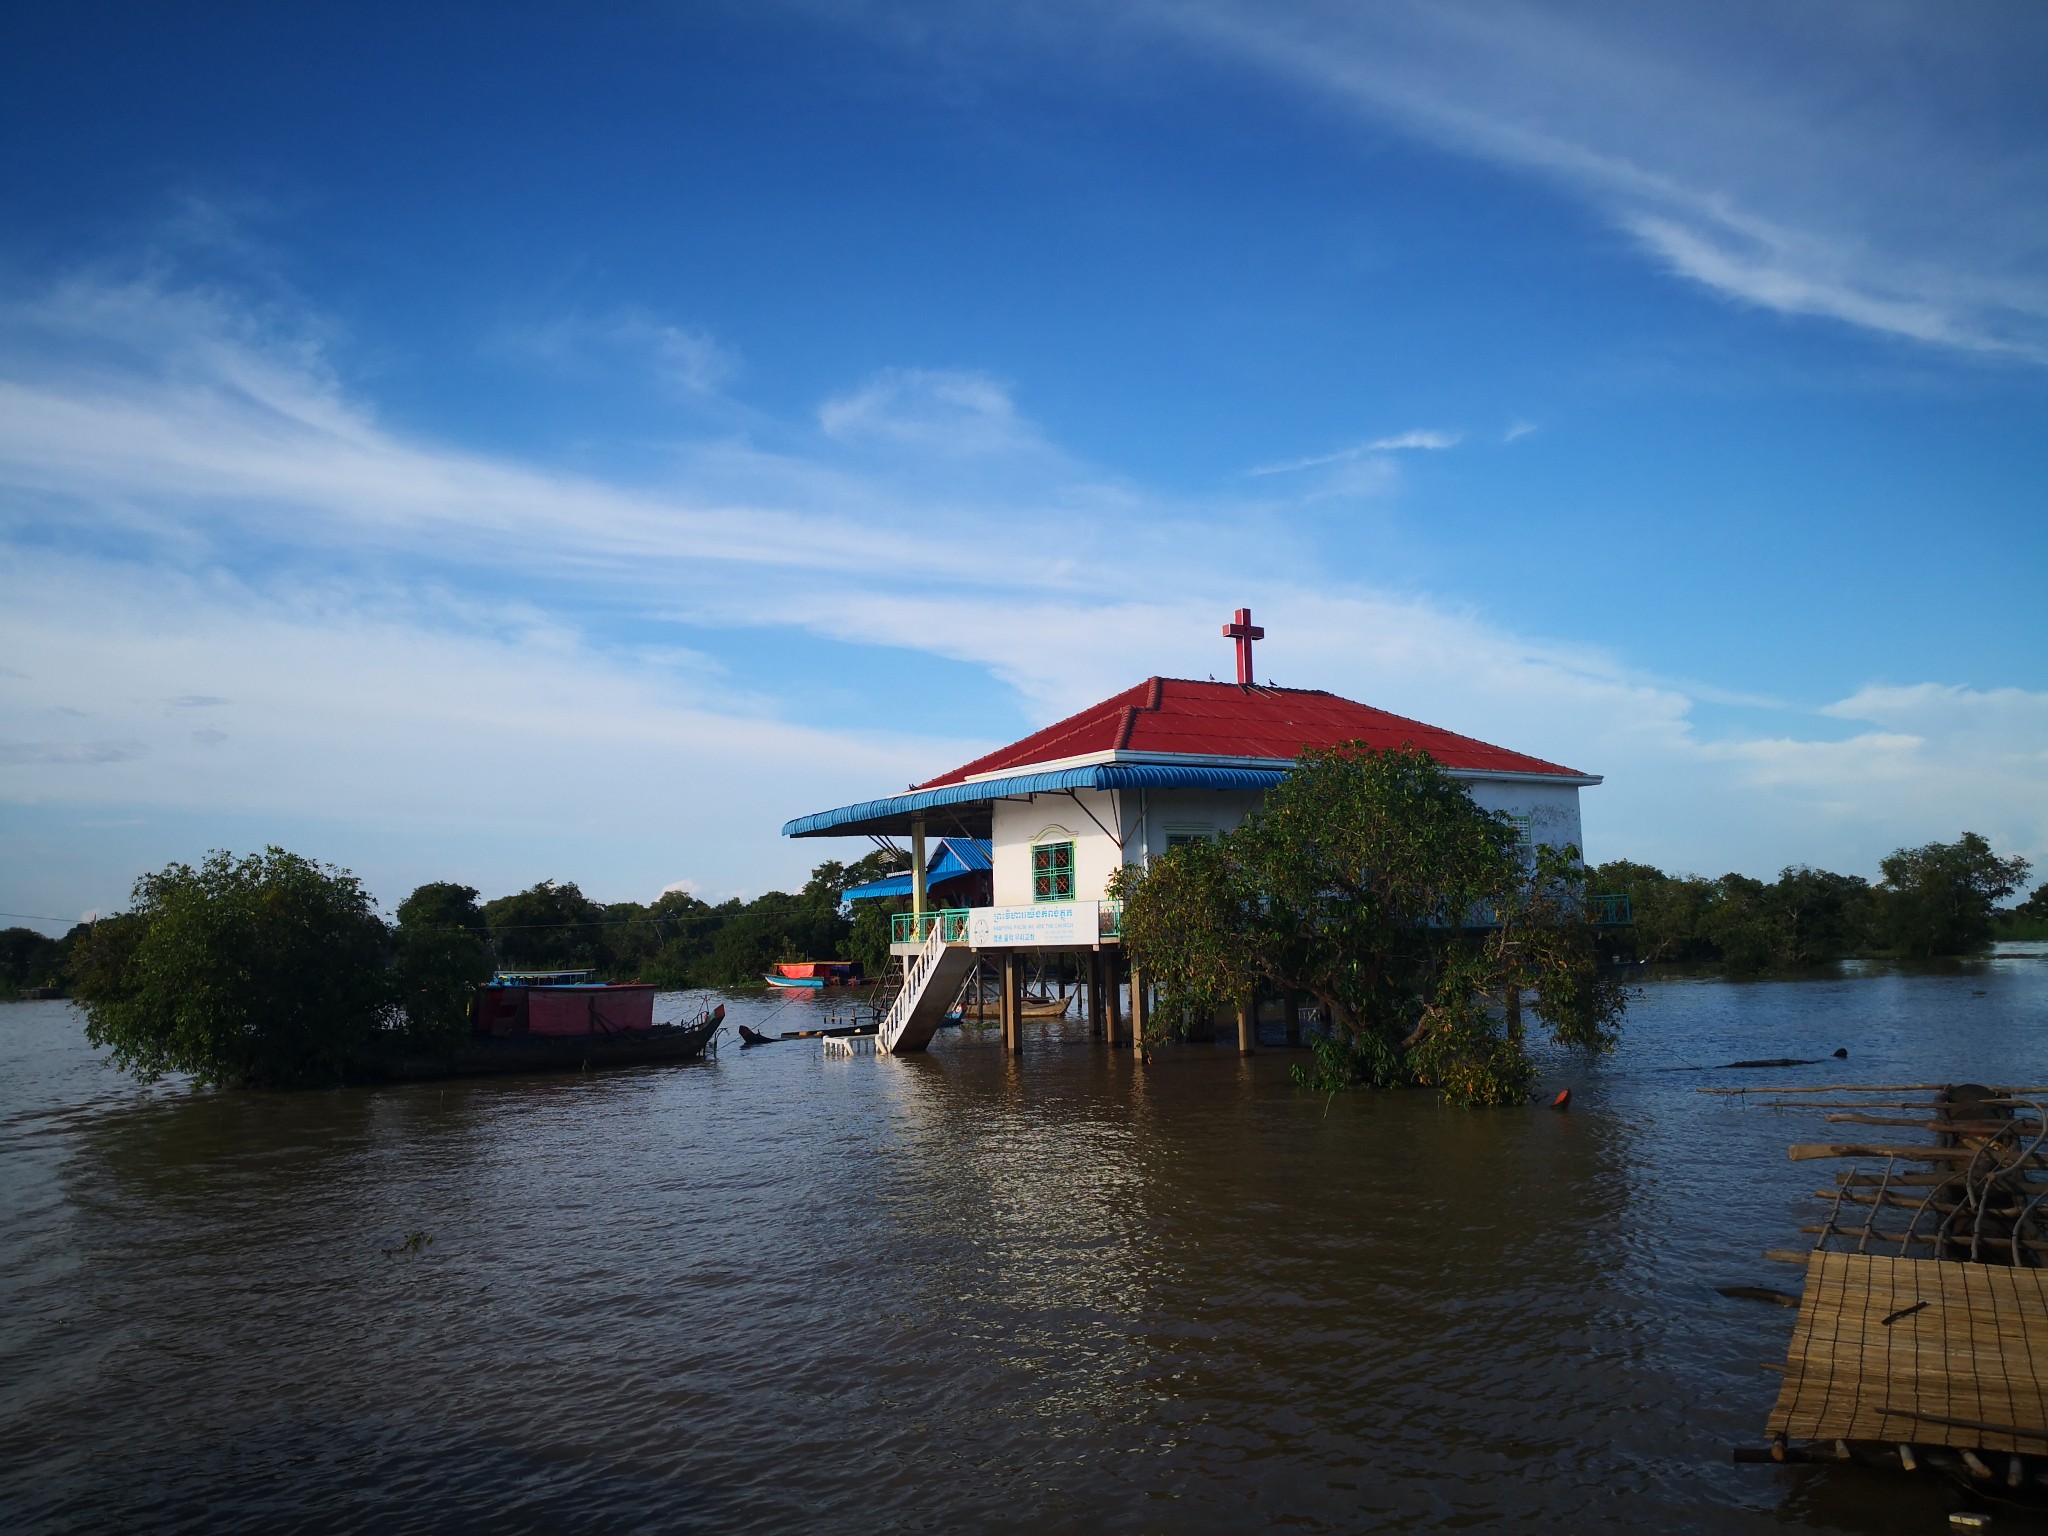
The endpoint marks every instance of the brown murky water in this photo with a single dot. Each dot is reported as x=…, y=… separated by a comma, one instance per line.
x=958, y=1292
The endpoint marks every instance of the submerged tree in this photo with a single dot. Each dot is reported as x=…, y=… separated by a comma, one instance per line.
x=1938, y=899
x=267, y=970
x=1372, y=882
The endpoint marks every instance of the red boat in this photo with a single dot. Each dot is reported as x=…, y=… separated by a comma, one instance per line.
x=815, y=973
x=522, y=1003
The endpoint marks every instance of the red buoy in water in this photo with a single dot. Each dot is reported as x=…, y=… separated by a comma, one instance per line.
x=1563, y=1099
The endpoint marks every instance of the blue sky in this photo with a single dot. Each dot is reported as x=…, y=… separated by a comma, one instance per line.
x=516, y=442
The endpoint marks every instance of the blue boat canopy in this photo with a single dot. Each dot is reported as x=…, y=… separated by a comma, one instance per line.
x=966, y=806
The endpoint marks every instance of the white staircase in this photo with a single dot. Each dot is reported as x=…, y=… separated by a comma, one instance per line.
x=934, y=980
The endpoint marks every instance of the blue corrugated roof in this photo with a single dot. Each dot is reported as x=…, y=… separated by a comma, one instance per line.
x=973, y=854
x=893, y=813
x=955, y=856
x=888, y=885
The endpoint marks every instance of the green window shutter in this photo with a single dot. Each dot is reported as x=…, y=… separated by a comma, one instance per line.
x=1052, y=872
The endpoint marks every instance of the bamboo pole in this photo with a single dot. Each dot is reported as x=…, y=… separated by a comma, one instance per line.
x=1809, y=1151
x=1140, y=1011
x=1247, y=1032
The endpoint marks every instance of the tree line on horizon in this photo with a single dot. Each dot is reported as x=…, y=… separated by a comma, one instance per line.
x=677, y=940
x=1935, y=900
x=1940, y=899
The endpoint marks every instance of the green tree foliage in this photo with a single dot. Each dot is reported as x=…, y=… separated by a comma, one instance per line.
x=31, y=959
x=273, y=970
x=870, y=934
x=1359, y=883
x=2026, y=920
x=442, y=952
x=683, y=941
x=265, y=970
x=549, y=927
x=1669, y=912
x=1938, y=899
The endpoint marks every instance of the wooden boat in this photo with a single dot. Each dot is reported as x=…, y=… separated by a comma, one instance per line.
x=811, y=974
x=754, y=1037
x=520, y=1004
x=491, y=1055
x=1046, y=1008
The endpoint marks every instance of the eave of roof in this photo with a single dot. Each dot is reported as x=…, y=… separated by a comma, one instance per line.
x=895, y=813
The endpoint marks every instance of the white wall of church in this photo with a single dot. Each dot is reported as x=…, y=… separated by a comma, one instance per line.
x=1147, y=819
x=1021, y=825
x=1552, y=809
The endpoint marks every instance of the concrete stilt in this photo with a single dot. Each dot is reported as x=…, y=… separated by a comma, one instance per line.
x=1112, y=996
x=1006, y=996
x=1013, y=997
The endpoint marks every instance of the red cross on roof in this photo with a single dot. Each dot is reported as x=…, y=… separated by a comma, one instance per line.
x=1244, y=632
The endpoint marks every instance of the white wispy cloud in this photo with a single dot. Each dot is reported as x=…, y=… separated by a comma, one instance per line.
x=1418, y=439
x=204, y=526
x=1759, y=151
x=689, y=357
x=69, y=754
x=931, y=410
x=1769, y=153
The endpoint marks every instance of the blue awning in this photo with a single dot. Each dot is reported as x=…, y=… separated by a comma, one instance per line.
x=895, y=813
x=955, y=856
x=888, y=885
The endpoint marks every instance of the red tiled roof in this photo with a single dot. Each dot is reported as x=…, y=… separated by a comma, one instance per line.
x=1178, y=717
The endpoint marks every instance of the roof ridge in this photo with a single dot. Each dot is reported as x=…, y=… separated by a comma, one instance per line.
x=1211, y=682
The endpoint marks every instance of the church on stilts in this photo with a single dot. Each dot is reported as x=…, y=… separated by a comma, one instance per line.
x=1120, y=783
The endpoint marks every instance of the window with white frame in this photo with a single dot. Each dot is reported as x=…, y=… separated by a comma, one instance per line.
x=1525, y=837
x=1179, y=833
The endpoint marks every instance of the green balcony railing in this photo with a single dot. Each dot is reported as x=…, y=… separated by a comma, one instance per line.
x=910, y=928
x=1611, y=910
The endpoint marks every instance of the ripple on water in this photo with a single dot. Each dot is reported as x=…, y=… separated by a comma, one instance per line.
x=960, y=1291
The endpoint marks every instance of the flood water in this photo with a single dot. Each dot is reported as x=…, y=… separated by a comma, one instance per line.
x=956, y=1292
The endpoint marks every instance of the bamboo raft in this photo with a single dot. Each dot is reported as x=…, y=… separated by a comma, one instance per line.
x=1922, y=1335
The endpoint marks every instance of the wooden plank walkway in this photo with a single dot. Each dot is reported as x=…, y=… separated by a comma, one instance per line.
x=1918, y=1350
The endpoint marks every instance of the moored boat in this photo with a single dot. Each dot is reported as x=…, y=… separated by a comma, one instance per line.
x=812, y=974
x=656, y=1045
x=542, y=1021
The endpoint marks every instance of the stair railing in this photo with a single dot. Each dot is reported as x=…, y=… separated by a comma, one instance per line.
x=906, y=1002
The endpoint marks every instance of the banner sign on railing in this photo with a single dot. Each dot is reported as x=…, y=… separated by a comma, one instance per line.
x=1049, y=925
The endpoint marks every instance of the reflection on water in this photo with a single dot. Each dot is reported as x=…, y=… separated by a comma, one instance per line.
x=961, y=1290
